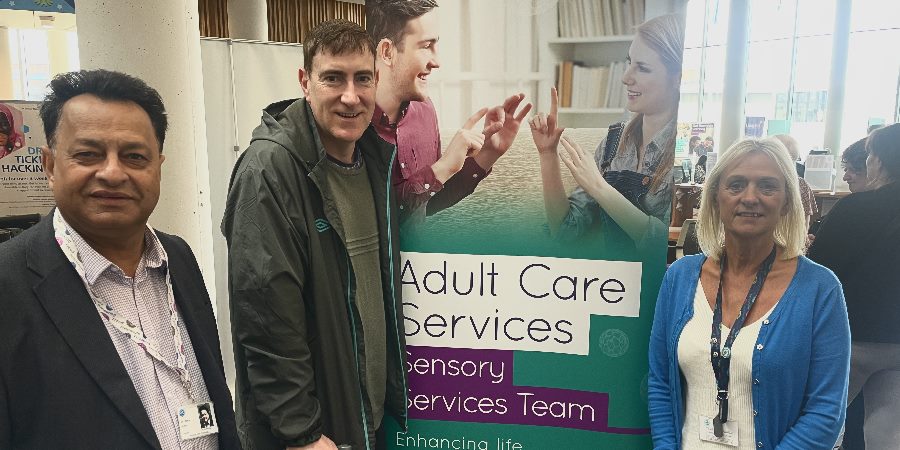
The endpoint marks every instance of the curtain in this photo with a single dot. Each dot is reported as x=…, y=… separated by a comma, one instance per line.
x=290, y=20
x=213, y=18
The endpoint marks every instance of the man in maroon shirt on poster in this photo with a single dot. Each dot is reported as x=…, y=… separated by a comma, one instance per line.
x=426, y=181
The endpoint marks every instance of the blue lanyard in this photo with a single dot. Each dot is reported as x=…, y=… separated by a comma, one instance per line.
x=721, y=356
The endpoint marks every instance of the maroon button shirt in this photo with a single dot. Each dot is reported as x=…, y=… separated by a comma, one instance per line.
x=418, y=142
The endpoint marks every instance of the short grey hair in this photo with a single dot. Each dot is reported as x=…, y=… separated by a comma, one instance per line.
x=790, y=232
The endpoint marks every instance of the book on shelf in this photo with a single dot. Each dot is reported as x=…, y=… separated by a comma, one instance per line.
x=585, y=87
x=594, y=18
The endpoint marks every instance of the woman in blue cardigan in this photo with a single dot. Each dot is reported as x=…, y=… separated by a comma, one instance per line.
x=750, y=346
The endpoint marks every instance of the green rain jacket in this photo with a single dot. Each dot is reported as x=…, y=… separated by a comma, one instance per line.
x=298, y=343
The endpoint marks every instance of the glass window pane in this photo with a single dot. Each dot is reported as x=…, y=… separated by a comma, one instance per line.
x=717, y=22
x=693, y=28
x=813, y=63
x=689, y=104
x=872, y=78
x=875, y=15
x=815, y=17
x=768, y=78
x=771, y=19
x=714, y=79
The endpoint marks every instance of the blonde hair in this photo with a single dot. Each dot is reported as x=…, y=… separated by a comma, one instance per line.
x=790, y=144
x=790, y=232
x=665, y=35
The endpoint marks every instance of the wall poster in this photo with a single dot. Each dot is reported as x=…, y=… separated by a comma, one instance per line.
x=23, y=186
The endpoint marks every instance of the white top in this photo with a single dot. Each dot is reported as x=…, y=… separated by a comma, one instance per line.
x=700, y=387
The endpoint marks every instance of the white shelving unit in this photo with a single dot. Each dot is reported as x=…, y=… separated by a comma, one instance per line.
x=591, y=51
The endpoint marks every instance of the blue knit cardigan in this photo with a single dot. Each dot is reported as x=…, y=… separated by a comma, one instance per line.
x=800, y=366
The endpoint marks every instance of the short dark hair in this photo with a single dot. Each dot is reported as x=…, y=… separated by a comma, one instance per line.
x=885, y=144
x=388, y=18
x=106, y=85
x=337, y=37
x=854, y=156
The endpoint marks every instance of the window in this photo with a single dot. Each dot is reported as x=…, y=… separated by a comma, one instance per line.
x=789, y=65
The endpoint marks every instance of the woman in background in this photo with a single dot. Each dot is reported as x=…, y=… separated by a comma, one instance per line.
x=627, y=184
x=853, y=161
x=750, y=345
x=860, y=241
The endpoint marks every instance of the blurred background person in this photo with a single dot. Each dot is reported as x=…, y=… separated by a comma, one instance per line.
x=774, y=368
x=853, y=161
x=860, y=241
x=806, y=193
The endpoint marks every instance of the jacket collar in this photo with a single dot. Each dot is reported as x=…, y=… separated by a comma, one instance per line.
x=291, y=124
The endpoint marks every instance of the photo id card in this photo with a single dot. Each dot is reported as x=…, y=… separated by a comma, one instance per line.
x=196, y=420
x=729, y=432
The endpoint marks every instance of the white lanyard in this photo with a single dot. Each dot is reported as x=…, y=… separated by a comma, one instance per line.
x=136, y=334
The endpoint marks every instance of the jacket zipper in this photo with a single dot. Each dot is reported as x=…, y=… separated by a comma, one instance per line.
x=362, y=410
x=393, y=293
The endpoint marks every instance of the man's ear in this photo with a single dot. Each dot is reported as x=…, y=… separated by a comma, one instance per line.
x=48, y=163
x=303, y=76
x=385, y=52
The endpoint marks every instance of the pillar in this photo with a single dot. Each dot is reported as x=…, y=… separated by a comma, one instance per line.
x=734, y=90
x=840, y=50
x=58, y=46
x=6, y=86
x=159, y=42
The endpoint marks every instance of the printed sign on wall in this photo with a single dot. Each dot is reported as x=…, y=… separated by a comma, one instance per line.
x=23, y=186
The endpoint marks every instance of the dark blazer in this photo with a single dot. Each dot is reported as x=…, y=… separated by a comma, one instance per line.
x=62, y=384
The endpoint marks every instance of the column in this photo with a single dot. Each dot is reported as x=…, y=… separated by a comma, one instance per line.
x=6, y=86
x=735, y=88
x=840, y=50
x=248, y=19
x=58, y=46
x=159, y=42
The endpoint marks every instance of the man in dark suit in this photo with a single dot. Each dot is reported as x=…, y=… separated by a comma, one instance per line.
x=107, y=334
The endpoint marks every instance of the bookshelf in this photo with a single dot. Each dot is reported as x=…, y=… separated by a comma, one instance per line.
x=589, y=46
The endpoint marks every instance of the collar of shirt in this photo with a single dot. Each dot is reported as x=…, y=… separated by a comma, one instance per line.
x=416, y=118
x=661, y=136
x=654, y=147
x=95, y=264
x=380, y=118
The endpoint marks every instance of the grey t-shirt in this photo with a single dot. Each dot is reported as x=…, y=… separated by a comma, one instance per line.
x=352, y=193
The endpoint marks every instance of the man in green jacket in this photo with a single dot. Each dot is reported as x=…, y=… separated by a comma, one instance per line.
x=313, y=262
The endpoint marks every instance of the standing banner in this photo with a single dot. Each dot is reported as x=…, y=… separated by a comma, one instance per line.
x=521, y=334
x=23, y=186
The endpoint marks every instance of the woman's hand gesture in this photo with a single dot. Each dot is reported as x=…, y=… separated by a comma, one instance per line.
x=583, y=168
x=544, y=129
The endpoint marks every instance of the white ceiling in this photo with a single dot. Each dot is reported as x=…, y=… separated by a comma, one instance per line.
x=11, y=18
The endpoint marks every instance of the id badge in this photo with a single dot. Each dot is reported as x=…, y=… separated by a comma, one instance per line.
x=729, y=432
x=197, y=420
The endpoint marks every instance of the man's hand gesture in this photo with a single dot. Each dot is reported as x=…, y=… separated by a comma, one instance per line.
x=466, y=142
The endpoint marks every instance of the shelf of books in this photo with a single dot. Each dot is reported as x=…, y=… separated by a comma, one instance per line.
x=590, y=48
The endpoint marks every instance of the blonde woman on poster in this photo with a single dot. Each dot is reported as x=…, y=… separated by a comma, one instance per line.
x=627, y=185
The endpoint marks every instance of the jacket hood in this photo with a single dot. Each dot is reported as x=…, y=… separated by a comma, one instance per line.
x=290, y=124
